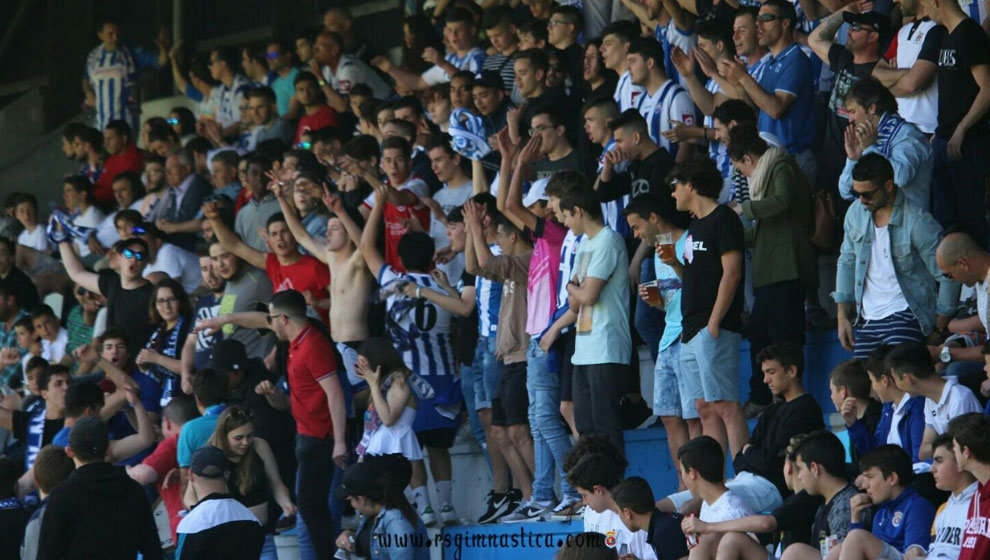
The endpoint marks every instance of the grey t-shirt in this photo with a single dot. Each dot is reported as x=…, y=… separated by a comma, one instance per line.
x=832, y=520
x=244, y=294
x=254, y=215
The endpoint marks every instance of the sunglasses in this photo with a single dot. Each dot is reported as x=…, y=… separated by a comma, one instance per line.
x=138, y=230
x=172, y=121
x=272, y=55
x=304, y=145
x=861, y=27
x=271, y=318
x=768, y=17
x=868, y=195
x=136, y=255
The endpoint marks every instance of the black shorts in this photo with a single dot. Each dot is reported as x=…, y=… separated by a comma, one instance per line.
x=510, y=406
x=564, y=350
x=439, y=438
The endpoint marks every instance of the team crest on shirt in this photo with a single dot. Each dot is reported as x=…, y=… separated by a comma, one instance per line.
x=896, y=520
x=633, y=95
x=687, y=119
x=610, y=539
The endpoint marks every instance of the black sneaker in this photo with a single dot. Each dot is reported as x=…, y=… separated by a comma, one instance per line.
x=500, y=505
x=515, y=498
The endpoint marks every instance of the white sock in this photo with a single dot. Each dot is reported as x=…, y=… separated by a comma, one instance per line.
x=422, y=498
x=443, y=492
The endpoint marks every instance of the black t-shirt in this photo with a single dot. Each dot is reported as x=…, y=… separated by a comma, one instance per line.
x=466, y=340
x=354, y=199
x=572, y=161
x=23, y=289
x=962, y=48
x=665, y=535
x=709, y=238
x=646, y=177
x=847, y=73
x=127, y=308
x=795, y=518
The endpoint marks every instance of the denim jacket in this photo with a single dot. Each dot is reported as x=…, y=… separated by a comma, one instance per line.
x=908, y=150
x=394, y=538
x=914, y=235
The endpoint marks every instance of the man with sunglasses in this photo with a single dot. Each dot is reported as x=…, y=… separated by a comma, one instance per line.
x=883, y=284
x=127, y=291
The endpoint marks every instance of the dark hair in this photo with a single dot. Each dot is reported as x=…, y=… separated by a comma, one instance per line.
x=663, y=206
x=537, y=28
x=869, y=91
x=34, y=363
x=115, y=332
x=187, y=121
x=565, y=181
x=874, y=168
x=82, y=185
x=263, y=92
x=209, y=386
x=890, y=459
x=459, y=15
x=734, y=110
x=162, y=133
x=229, y=158
x=634, y=493
x=416, y=251
x=185, y=308
x=121, y=128
x=716, y=31
x=134, y=180
x=536, y=58
x=942, y=440
x=704, y=455
x=602, y=103
x=572, y=15
x=180, y=409
x=27, y=198
x=701, y=173
x=305, y=76
x=552, y=113
x=71, y=130
x=583, y=198
x=595, y=469
x=649, y=49
x=626, y=31
x=488, y=201
x=407, y=130
x=275, y=218
x=361, y=90
x=397, y=143
x=744, y=139
x=631, y=121
x=876, y=363
x=409, y=102
x=382, y=353
x=52, y=465
x=441, y=140
x=10, y=243
x=25, y=322
x=852, y=375
x=291, y=303
x=50, y=372
x=784, y=353
x=42, y=310
x=229, y=55
x=505, y=223
x=972, y=431
x=603, y=446
x=82, y=396
x=361, y=148
x=198, y=145
x=91, y=136
x=496, y=16
x=825, y=450
x=786, y=10
x=463, y=75
x=913, y=358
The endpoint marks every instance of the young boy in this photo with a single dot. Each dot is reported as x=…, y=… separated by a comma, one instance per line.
x=971, y=446
x=849, y=386
x=914, y=372
x=819, y=467
x=701, y=463
x=634, y=502
x=902, y=518
x=908, y=412
x=33, y=235
x=37, y=428
x=594, y=467
x=50, y=468
x=54, y=337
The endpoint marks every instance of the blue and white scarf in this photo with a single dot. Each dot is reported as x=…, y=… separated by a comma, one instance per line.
x=166, y=344
x=888, y=127
x=69, y=232
x=467, y=132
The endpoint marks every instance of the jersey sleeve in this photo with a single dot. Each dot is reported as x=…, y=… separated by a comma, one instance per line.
x=163, y=458
x=387, y=274
x=475, y=62
x=435, y=75
x=792, y=78
x=682, y=109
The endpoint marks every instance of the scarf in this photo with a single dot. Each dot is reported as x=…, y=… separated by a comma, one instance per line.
x=467, y=132
x=165, y=343
x=758, y=180
x=69, y=231
x=888, y=127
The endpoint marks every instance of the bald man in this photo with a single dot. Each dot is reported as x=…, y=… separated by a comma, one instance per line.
x=340, y=21
x=960, y=258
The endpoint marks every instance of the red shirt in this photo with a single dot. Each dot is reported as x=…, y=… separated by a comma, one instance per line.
x=324, y=117
x=394, y=215
x=163, y=459
x=128, y=160
x=307, y=274
x=311, y=359
x=976, y=535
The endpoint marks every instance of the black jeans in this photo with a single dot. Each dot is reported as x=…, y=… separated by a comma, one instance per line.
x=313, y=476
x=596, y=399
x=777, y=316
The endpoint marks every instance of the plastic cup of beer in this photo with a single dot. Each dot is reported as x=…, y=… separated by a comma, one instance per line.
x=652, y=293
x=665, y=243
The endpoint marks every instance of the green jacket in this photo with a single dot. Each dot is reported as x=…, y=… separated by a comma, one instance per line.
x=781, y=238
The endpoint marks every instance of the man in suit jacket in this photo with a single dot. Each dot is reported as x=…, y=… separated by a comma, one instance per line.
x=185, y=196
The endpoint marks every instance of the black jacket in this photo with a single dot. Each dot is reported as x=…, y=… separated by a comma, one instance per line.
x=98, y=512
x=777, y=425
x=219, y=528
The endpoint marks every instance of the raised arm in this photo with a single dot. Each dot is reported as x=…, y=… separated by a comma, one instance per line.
x=639, y=11
x=229, y=240
x=75, y=269
x=312, y=245
x=409, y=81
x=461, y=304
x=131, y=445
x=480, y=253
x=521, y=216
x=821, y=39
x=479, y=182
x=369, y=238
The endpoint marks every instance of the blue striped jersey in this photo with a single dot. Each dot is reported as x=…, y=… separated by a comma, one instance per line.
x=113, y=77
x=488, y=297
x=717, y=151
x=419, y=329
x=568, y=259
x=231, y=99
x=669, y=36
x=975, y=9
x=627, y=93
x=472, y=61
x=669, y=103
x=612, y=210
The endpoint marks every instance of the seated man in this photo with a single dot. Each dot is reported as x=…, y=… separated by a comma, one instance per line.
x=902, y=518
x=971, y=446
x=950, y=520
x=633, y=500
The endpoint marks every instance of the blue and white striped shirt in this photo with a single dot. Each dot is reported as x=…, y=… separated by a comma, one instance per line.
x=488, y=296
x=473, y=61
x=612, y=210
x=231, y=99
x=568, y=259
x=113, y=77
x=419, y=329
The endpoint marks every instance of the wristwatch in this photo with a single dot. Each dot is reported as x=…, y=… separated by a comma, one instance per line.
x=945, y=355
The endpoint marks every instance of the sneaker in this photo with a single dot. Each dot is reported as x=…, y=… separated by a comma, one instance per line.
x=498, y=505
x=429, y=518
x=532, y=510
x=448, y=516
x=566, y=509
x=515, y=498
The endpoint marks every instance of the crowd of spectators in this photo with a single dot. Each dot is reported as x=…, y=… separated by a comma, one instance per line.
x=283, y=305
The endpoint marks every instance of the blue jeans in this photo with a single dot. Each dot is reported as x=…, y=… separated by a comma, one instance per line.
x=268, y=550
x=469, y=377
x=649, y=321
x=313, y=476
x=550, y=442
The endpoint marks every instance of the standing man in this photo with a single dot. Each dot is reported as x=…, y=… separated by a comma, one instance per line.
x=664, y=102
x=616, y=40
x=118, y=140
x=110, y=81
x=279, y=59
x=318, y=406
x=233, y=89
x=341, y=71
x=971, y=444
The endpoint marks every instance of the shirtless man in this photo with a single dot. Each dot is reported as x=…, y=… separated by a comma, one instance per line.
x=350, y=280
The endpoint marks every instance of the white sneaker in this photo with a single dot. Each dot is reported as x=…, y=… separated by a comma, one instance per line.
x=448, y=516
x=567, y=509
x=531, y=510
x=429, y=518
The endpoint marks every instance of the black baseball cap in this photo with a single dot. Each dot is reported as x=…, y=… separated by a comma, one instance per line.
x=89, y=437
x=489, y=79
x=876, y=20
x=209, y=462
x=360, y=479
x=228, y=355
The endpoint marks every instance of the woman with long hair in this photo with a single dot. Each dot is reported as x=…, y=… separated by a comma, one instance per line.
x=392, y=407
x=254, y=479
x=170, y=313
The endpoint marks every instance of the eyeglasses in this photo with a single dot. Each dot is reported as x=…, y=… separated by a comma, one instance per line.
x=304, y=145
x=136, y=255
x=861, y=27
x=166, y=301
x=271, y=318
x=765, y=18
x=538, y=129
x=868, y=195
x=172, y=121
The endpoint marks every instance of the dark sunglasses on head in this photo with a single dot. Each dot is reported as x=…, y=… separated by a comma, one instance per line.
x=136, y=255
x=172, y=121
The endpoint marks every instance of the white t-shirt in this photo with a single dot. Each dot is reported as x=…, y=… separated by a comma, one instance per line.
x=608, y=523
x=956, y=399
x=36, y=239
x=350, y=71
x=448, y=198
x=55, y=351
x=178, y=264
x=670, y=102
x=882, y=296
x=627, y=93
x=91, y=218
x=921, y=109
x=949, y=524
x=726, y=508
x=106, y=232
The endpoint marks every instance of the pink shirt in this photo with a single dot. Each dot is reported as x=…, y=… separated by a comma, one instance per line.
x=543, y=271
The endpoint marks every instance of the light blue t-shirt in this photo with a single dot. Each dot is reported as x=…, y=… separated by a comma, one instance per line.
x=670, y=291
x=284, y=89
x=195, y=433
x=602, y=330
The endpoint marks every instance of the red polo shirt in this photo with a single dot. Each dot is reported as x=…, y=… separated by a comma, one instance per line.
x=307, y=274
x=128, y=160
x=311, y=359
